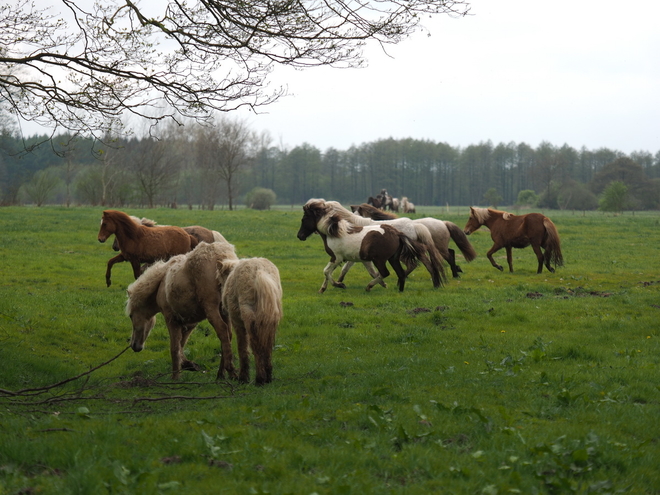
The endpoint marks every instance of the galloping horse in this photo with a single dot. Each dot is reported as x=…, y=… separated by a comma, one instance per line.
x=377, y=243
x=202, y=234
x=140, y=244
x=441, y=232
x=252, y=301
x=518, y=231
x=186, y=289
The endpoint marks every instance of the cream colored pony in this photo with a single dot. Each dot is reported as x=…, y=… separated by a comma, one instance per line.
x=252, y=301
x=186, y=290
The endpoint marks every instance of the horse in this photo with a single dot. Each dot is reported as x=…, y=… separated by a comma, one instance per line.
x=407, y=206
x=518, y=231
x=186, y=290
x=376, y=243
x=202, y=234
x=441, y=232
x=252, y=302
x=376, y=202
x=140, y=244
x=386, y=200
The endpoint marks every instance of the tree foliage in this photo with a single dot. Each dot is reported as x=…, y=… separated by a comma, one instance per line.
x=614, y=197
x=81, y=65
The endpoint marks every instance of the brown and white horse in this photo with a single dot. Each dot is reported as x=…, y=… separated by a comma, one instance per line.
x=376, y=243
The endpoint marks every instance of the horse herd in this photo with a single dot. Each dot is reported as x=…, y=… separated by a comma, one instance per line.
x=191, y=274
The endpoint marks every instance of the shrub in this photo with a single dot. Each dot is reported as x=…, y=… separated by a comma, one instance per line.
x=260, y=198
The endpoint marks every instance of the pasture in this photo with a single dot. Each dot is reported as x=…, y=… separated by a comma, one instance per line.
x=496, y=383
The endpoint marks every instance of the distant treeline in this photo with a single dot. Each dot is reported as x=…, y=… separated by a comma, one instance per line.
x=220, y=167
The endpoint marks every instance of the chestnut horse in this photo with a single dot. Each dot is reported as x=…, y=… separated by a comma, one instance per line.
x=376, y=243
x=186, y=289
x=518, y=231
x=202, y=234
x=252, y=301
x=140, y=244
x=441, y=232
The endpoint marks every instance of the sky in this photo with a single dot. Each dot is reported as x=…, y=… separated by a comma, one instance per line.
x=577, y=72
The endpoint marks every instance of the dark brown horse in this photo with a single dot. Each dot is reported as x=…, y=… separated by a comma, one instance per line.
x=518, y=231
x=202, y=234
x=140, y=244
x=441, y=232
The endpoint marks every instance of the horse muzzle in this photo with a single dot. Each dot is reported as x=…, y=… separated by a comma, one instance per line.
x=102, y=239
x=302, y=236
x=137, y=347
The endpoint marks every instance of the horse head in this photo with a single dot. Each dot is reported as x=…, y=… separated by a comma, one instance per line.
x=313, y=211
x=142, y=316
x=475, y=220
x=107, y=227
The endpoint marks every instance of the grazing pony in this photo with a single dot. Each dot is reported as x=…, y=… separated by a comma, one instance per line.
x=518, y=231
x=376, y=243
x=202, y=234
x=252, y=302
x=186, y=290
x=441, y=231
x=407, y=206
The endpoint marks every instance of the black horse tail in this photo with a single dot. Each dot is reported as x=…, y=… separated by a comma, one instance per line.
x=551, y=244
x=461, y=240
x=411, y=252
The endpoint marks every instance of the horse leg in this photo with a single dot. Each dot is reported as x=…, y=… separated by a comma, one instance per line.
x=176, y=352
x=489, y=255
x=243, y=353
x=540, y=258
x=117, y=259
x=327, y=271
x=451, y=259
x=223, y=331
x=383, y=272
x=347, y=266
x=137, y=269
x=186, y=364
x=509, y=257
x=400, y=272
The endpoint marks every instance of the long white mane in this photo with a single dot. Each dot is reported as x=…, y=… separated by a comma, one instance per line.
x=481, y=214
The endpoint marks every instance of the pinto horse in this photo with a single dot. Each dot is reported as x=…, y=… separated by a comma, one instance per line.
x=140, y=244
x=441, y=232
x=202, y=234
x=186, y=290
x=376, y=243
x=518, y=231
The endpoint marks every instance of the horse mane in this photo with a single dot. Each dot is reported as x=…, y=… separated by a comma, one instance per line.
x=376, y=213
x=330, y=208
x=148, y=283
x=334, y=225
x=481, y=214
x=130, y=227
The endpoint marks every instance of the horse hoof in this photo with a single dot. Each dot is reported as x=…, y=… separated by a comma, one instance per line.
x=190, y=366
x=499, y=268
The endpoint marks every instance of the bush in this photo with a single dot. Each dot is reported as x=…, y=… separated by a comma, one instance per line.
x=260, y=198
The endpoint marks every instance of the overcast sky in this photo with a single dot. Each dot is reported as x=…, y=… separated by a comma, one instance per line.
x=576, y=72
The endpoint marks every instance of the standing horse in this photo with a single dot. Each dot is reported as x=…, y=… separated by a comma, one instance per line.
x=140, y=244
x=376, y=202
x=377, y=243
x=202, y=234
x=186, y=290
x=518, y=231
x=252, y=302
x=441, y=232
x=407, y=206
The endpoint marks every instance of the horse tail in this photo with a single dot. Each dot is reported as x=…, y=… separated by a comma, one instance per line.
x=552, y=244
x=434, y=264
x=461, y=240
x=412, y=252
x=268, y=291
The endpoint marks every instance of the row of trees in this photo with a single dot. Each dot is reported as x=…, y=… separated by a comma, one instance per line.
x=221, y=165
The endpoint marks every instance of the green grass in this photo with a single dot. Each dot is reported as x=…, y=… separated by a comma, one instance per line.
x=496, y=383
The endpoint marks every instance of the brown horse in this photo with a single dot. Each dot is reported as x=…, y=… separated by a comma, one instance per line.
x=252, y=302
x=186, y=289
x=441, y=232
x=202, y=234
x=140, y=244
x=518, y=231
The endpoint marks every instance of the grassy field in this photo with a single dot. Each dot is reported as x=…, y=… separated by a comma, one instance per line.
x=496, y=383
